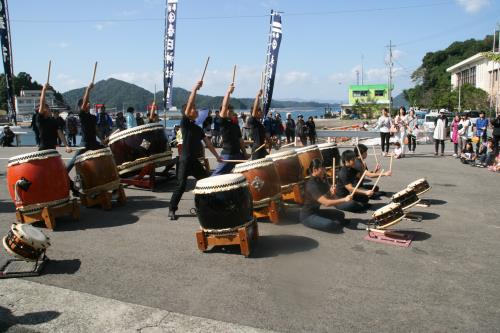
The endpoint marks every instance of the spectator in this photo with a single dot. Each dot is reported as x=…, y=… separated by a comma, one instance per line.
x=72, y=128
x=468, y=156
x=34, y=127
x=302, y=130
x=138, y=119
x=384, y=125
x=280, y=130
x=454, y=134
x=7, y=137
x=120, y=121
x=216, y=131
x=311, y=130
x=481, y=127
x=289, y=128
x=496, y=133
x=412, y=129
x=464, y=130
x=104, y=124
x=60, y=124
x=400, y=122
x=207, y=123
x=398, y=151
x=269, y=125
x=440, y=125
x=131, y=120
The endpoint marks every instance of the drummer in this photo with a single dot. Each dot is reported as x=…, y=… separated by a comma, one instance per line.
x=319, y=193
x=189, y=164
x=233, y=146
x=346, y=184
x=360, y=166
x=48, y=126
x=257, y=129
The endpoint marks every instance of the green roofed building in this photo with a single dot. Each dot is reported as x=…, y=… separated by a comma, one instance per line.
x=366, y=99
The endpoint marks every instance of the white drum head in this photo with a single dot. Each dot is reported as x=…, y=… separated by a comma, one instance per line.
x=37, y=155
x=220, y=183
x=134, y=130
x=93, y=154
x=386, y=209
x=305, y=149
x=283, y=155
x=327, y=145
x=31, y=235
x=401, y=193
x=262, y=162
x=417, y=182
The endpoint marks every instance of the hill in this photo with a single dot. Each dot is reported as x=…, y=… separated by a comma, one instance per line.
x=118, y=94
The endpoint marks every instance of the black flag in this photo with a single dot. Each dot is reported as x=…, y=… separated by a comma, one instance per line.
x=273, y=49
x=7, y=58
x=169, y=52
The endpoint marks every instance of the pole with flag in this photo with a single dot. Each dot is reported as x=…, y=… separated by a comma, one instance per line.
x=7, y=59
x=273, y=48
x=168, y=55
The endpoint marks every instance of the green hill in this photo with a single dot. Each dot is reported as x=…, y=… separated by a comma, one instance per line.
x=118, y=94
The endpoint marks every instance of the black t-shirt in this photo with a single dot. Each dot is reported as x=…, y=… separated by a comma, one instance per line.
x=47, y=127
x=231, y=135
x=192, y=135
x=315, y=188
x=258, y=132
x=346, y=176
x=89, y=123
x=496, y=126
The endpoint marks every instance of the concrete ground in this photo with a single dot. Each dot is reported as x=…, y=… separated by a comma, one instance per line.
x=130, y=269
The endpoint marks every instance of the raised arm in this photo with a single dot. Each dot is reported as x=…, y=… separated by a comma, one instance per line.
x=192, y=99
x=86, y=97
x=255, y=107
x=42, y=110
x=224, y=113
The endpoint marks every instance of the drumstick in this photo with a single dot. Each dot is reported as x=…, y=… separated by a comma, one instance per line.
x=234, y=161
x=262, y=146
x=234, y=72
x=390, y=163
x=206, y=64
x=93, y=75
x=375, y=154
x=359, y=182
x=378, y=178
x=361, y=157
x=288, y=144
x=48, y=74
x=333, y=172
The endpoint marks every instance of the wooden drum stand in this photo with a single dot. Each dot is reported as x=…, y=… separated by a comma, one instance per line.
x=49, y=214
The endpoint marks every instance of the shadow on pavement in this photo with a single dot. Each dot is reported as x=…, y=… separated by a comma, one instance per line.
x=7, y=207
x=7, y=319
x=418, y=236
x=436, y=202
x=67, y=266
x=426, y=215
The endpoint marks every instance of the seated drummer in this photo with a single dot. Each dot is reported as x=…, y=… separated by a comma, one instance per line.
x=233, y=146
x=189, y=163
x=318, y=192
x=360, y=166
x=346, y=184
x=257, y=129
x=48, y=126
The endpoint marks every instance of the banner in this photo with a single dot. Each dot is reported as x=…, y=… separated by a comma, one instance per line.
x=169, y=52
x=273, y=49
x=7, y=59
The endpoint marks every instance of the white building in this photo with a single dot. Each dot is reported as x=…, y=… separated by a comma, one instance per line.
x=29, y=99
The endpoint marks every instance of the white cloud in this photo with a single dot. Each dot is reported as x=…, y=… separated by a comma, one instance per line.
x=63, y=45
x=64, y=82
x=102, y=26
x=473, y=6
x=294, y=77
x=98, y=26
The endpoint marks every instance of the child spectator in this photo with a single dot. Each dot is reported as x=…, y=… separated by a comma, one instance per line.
x=468, y=156
x=398, y=151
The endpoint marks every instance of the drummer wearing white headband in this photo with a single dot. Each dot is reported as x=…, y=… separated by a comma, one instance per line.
x=189, y=163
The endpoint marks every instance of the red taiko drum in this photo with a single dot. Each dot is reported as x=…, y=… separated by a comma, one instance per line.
x=37, y=180
x=306, y=156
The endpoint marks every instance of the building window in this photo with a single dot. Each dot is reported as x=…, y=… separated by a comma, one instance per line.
x=379, y=93
x=467, y=76
x=360, y=93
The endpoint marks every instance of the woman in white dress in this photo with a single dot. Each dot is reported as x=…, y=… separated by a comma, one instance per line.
x=401, y=124
x=464, y=130
x=441, y=123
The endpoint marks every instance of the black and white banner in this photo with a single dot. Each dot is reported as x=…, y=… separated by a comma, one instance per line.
x=169, y=52
x=273, y=49
x=7, y=57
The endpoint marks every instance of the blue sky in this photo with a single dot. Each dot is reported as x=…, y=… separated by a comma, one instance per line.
x=323, y=41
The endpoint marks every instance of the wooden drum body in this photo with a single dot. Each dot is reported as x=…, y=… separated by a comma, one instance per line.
x=25, y=242
x=263, y=181
x=289, y=169
x=306, y=155
x=406, y=198
x=139, y=146
x=420, y=186
x=388, y=215
x=96, y=171
x=37, y=180
x=223, y=202
x=329, y=151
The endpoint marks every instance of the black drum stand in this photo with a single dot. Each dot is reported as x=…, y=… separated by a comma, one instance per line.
x=16, y=268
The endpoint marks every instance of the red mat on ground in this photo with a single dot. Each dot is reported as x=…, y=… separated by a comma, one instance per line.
x=402, y=241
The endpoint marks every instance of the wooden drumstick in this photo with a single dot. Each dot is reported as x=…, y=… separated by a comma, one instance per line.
x=261, y=80
x=234, y=161
x=390, y=163
x=359, y=182
x=48, y=74
x=234, y=73
x=206, y=64
x=288, y=145
x=93, y=75
x=333, y=172
x=378, y=178
x=262, y=146
x=360, y=157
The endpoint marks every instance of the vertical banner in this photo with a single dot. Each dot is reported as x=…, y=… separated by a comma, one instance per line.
x=7, y=59
x=272, y=59
x=169, y=52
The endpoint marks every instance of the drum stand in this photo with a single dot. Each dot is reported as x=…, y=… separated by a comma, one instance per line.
x=271, y=212
x=103, y=198
x=16, y=268
x=391, y=237
x=49, y=214
x=295, y=195
x=147, y=176
x=243, y=237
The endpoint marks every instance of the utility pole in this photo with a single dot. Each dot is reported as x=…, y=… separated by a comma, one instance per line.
x=389, y=90
x=459, y=79
x=362, y=69
x=357, y=77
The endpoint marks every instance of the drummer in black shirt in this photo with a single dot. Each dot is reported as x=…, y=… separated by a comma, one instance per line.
x=192, y=148
x=360, y=166
x=319, y=193
x=48, y=126
x=346, y=182
x=257, y=129
x=233, y=146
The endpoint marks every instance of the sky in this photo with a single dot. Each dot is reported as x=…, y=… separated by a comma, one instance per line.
x=324, y=41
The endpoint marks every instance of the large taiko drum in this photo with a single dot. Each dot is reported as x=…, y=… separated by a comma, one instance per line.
x=139, y=146
x=223, y=202
x=96, y=171
x=289, y=169
x=388, y=215
x=420, y=186
x=329, y=151
x=37, y=180
x=306, y=156
x=263, y=181
x=25, y=242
